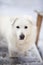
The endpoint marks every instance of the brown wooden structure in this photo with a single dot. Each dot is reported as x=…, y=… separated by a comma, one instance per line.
x=38, y=23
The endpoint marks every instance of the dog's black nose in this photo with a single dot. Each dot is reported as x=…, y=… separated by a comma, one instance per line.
x=22, y=36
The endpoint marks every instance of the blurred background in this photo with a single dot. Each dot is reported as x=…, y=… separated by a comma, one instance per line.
x=23, y=7
x=20, y=7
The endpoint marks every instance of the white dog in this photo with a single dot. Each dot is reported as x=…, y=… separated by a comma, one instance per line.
x=20, y=33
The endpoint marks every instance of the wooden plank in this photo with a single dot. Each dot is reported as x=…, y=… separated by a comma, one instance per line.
x=39, y=22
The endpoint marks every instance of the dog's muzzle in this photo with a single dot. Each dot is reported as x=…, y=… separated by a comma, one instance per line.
x=22, y=36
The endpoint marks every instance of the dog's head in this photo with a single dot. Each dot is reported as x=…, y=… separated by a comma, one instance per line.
x=22, y=28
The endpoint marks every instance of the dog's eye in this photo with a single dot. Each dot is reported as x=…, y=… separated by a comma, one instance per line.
x=25, y=27
x=17, y=27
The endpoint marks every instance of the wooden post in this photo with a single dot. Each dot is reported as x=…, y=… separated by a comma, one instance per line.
x=38, y=23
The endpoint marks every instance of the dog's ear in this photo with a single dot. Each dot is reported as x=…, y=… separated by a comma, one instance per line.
x=32, y=21
x=13, y=20
x=30, y=18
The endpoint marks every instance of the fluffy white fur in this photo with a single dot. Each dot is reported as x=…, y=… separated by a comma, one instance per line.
x=8, y=28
